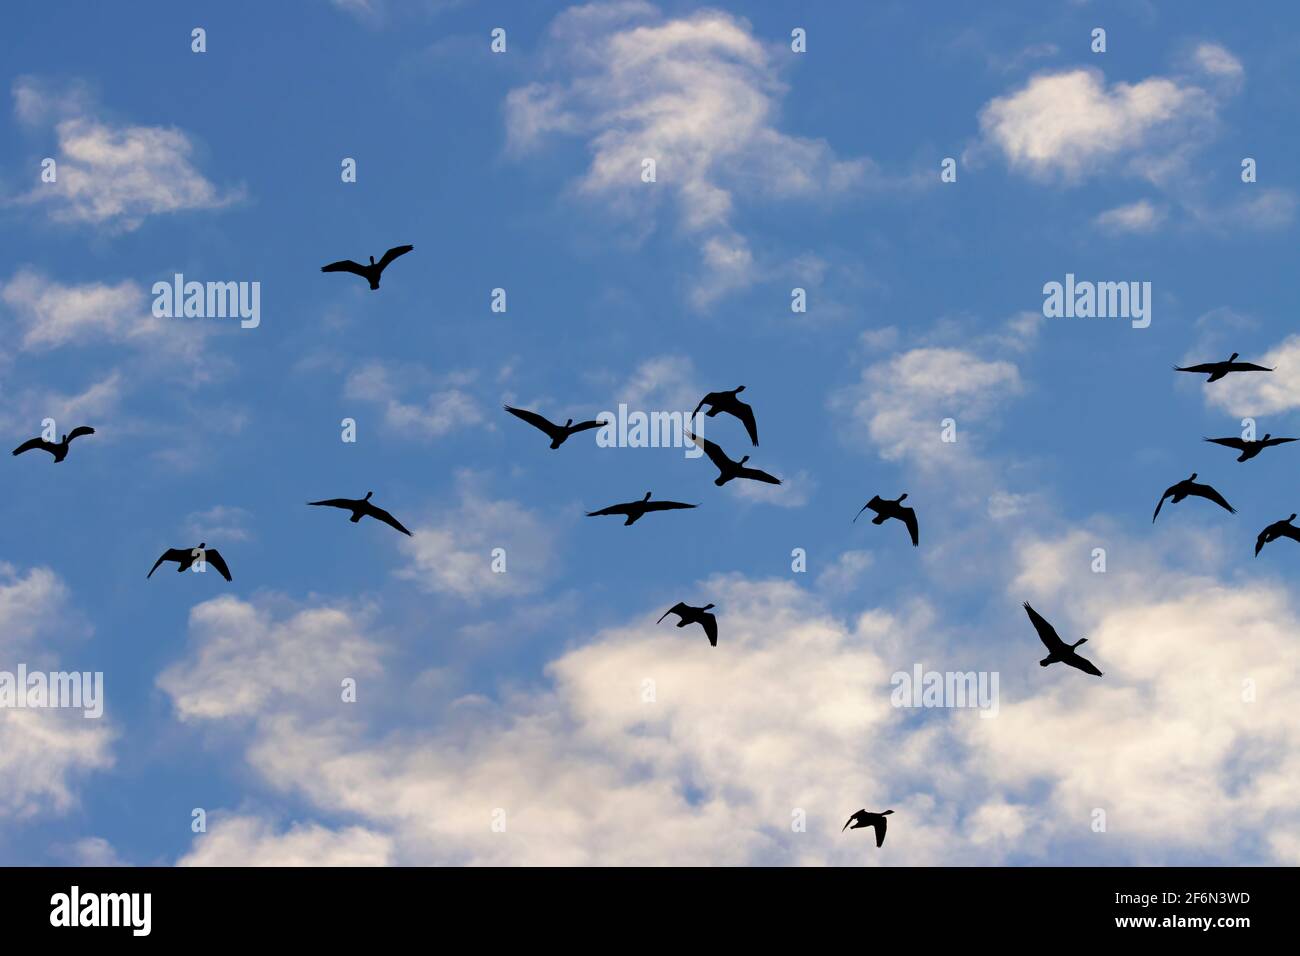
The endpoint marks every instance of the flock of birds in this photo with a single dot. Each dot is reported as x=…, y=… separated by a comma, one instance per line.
x=729, y=469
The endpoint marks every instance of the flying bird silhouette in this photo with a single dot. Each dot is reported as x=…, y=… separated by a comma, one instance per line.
x=58, y=449
x=728, y=469
x=1249, y=449
x=362, y=508
x=1057, y=649
x=186, y=557
x=635, y=509
x=557, y=433
x=729, y=403
x=865, y=818
x=1278, y=529
x=372, y=272
x=1189, y=488
x=886, y=509
x=695, y=615
x=1216, y=370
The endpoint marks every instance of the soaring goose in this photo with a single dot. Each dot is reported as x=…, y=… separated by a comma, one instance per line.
x=1249, y=449
x=557, y=433
x=1057, y=649
x=633, y=510
x=729, y=403
x=886, y=509
x=865, y=818
x=186, y=557
x=362, y=508
x=58, y=449
x=1189, y=488
x=372, y=272
x=728, y=469
x=695, y=615
x=1278, y=529
x=1216, y=370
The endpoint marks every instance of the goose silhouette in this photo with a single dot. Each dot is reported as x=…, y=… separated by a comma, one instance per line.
x=729, y=403
x=865, y=818
x=58, y=449
x=1189, y=488
x=1058, y=650
x=695, y=615
x=728, y=469
x=362, y=508
x=372, y=272
x=1216, y=370
x=886, y=509
x=633, y=510
x=186, y=557
x=557, y=433
x=1249, y=449
x=1278, y=529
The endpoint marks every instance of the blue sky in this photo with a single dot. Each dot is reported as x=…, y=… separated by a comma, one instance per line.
x=524, y=691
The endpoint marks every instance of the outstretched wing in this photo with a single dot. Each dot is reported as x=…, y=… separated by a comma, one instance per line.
x=1275, y=441
x=1203, y=367
x=713, y=450
x=759, y=475
x=213, y=557
x=909, y=519
x=171, y=554
x=40, y=443
x=709, y=399
x=881, y=824
x=1248, y=367
x=1205, y=491
x=746, y=415
x=710, y=624
x=856, y=816
x=584, y=426
x=1083, y=664
x=392, y=254
x=666, y=505
x=532, y=418
x=334, y=503
x=79, y=431
x=344, y=265
x=1046, y=633
x=1236, y=443
x=859, y=514
x=386, y=518
x=611, y=510
x=1160, y=503
x=679, y=609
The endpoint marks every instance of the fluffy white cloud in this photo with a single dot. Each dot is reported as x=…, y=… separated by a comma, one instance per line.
x=1140, y=216
x=448, y=405
x=699, y=94
x=1259, y=393
x=111, y=175
x=1070, y=124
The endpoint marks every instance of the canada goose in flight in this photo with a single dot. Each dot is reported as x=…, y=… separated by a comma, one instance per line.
x=372, y=272
x=1278, y=529
x=729, y=403
x=865, y=818
x=185, y=557
x=1216, y=370
x=1249, y=449
x=695, y=615
x=361, y=508
x=886, y=509
x=1188, y=486
x=58, y=449
x=1057, y=649
x=635, y=509
x=557, y=433
x=728, y=469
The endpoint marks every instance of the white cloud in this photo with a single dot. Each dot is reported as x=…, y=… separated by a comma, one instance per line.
x=1070, y=125
x=452, y=553
x=1140, y=217
x=219, y=523
x=699, y=94
x=113, y=175
x=250, y=841
x=447, y=407
x=1217, y=61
